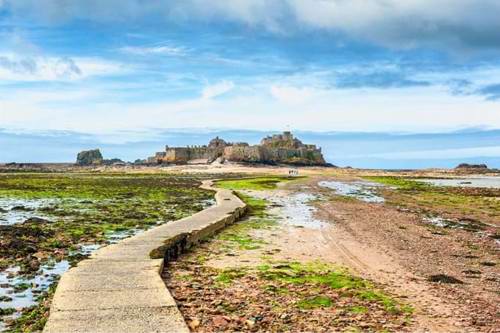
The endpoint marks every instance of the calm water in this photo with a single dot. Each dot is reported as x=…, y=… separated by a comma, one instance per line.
x=361, y=190
x=297, y=211
x=15, y=210
x=485, y=182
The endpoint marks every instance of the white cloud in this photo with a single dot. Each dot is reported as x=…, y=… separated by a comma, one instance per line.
x=155, y=50
x=292, y=95
x=417, y=109
x=15, y=67
x=214, y=90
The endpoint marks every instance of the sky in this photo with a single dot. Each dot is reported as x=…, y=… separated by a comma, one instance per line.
x=122, y=71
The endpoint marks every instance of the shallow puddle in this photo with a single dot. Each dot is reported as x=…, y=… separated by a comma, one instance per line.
x=116, y=236
x=297, y=211
x=484, y=182
x=19, y=292
x=361, y=190
x=469, y=225
x=15, y=210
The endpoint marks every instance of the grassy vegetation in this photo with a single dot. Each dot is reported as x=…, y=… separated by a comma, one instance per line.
x=227, y=276
x=256, y=207
x=476, y=203
x=315, y=302
x=400, y=183
x=240, y=234
x=258, y=183
x=316, y=273
x=90, y=207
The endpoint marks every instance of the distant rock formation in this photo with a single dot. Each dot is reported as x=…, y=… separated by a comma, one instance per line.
x=277, y=149
x=113, y=161
x=89, y=157
x=472, y=166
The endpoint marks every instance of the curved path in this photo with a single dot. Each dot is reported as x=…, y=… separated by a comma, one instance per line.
x=119, y=288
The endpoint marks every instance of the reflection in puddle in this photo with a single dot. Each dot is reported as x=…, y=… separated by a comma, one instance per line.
x=15, y=210
x=297, y=211
x=364, y=191
x=18, y=292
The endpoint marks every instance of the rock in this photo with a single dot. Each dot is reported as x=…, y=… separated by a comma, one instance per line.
x=7, y=311
x=5, y=299
x=34, y=265
x=113, y=161
x=21, y=208
x=194, y=323
x=89, y=157
x=219, y=321
x=250, y=323
x=442, y=278
x=472, y=166
x=36, y=220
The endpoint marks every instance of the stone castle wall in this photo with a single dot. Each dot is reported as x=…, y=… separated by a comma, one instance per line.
x=281, y=148
x=242, y=153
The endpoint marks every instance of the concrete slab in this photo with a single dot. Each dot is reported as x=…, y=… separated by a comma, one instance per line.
x=103, y=267
x=110, y=282
x=136, y=320
x=111, y=299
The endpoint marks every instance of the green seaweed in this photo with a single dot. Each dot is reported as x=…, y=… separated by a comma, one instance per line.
x=315, y=302
x=257, y=183
x=318, y=273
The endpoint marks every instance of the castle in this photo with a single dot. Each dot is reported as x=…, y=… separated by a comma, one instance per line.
x=277, y=149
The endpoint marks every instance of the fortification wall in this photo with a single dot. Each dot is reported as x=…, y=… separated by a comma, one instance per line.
x=280, y=148
x=245, y=154
x=181, y=155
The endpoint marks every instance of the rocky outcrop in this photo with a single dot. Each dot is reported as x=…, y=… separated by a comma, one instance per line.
x=277, y=149
x=472, y=166
x=113, y=161
x=89, y=157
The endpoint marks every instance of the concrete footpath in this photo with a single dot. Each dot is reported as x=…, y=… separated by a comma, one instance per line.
x=119, y=288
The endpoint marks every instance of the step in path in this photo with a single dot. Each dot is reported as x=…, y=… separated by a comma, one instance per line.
x=119, y=288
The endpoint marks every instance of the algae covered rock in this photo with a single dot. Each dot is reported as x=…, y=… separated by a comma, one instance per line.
x=89, y=157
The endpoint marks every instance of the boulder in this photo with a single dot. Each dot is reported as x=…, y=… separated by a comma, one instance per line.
x=89, y=157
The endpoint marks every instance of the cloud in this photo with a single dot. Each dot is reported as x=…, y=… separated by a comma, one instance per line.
x=378, y=80
x=491, y=92
x=155, y=50
x=218, y=89
x=15, y=67
x=407, y=24
x=455, y=24
x=292, y=95
x=25, y=65
x=460, y=86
